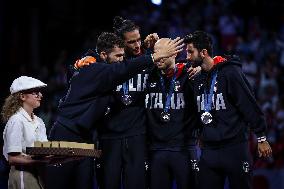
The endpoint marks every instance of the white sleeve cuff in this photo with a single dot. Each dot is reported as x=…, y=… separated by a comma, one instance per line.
x=14, y=149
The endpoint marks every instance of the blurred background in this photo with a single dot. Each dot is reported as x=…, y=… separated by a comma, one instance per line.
x=42, y=38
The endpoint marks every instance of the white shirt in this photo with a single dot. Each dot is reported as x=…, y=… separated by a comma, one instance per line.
x=21, y=132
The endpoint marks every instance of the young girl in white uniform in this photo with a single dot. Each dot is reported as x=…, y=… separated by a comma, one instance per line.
x=22, y=129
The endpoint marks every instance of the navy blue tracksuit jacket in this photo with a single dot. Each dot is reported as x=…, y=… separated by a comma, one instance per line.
x=90, y=90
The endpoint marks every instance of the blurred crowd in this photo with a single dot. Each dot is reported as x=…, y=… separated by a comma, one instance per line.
x=259, y=43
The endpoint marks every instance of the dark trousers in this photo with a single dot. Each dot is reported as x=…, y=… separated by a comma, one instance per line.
x=123, y=163
x=232, y=162
x=76, y=174
x=167, y=166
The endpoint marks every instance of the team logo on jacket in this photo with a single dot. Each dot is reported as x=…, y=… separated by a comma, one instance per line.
x=177, y=86
x=215, y=86
x=194, y=165
x=146, y=165
x=152, y=85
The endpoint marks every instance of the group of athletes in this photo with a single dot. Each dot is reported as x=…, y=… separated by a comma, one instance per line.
x=149, y=114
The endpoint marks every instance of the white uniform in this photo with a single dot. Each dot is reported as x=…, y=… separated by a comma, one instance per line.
x=21, y=132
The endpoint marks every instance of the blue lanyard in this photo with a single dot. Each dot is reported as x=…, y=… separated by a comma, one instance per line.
x=125, y=85
x=171, y=89
x=125, y=88
x=208, y=97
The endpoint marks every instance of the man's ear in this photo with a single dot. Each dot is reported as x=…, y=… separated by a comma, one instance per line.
x=203, y=53
x=103, y=55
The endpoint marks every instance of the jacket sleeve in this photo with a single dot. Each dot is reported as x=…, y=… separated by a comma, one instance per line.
x=100, y=78
x=240, y=92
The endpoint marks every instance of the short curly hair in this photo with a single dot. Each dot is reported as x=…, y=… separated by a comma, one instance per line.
x=11, y=105
x=107, y=41
x=200, y=40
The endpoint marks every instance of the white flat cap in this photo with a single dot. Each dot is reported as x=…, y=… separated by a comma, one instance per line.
x=24, y=83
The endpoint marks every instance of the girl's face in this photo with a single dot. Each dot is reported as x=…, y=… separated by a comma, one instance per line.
x=32, y=98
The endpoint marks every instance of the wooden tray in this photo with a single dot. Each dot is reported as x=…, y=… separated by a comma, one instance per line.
x=62, y=148
x=44, y=151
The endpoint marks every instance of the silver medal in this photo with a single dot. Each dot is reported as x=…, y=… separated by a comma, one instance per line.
x=165, y=116
x=126, y=99
x=206, y=118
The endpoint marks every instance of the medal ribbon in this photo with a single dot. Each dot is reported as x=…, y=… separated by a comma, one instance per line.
x=171, y=89
x=208, y=97
x=125, y=88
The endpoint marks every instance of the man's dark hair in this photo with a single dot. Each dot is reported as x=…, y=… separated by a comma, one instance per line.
x=121, y=26
x=107, y=41
x=200, y=40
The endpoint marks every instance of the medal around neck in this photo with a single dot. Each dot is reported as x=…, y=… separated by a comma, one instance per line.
x=165, y=116
x=206, y=118
x=126, y=99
